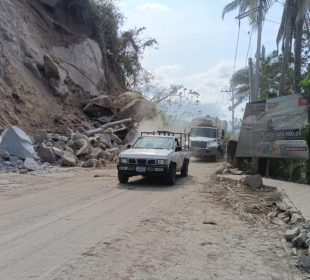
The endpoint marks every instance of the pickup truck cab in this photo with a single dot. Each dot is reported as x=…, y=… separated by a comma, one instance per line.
x=154, y=155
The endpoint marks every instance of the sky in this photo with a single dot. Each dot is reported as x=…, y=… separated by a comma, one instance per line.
x=196, y=47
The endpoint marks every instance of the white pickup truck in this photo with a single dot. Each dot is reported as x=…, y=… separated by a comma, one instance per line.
x=159, y=154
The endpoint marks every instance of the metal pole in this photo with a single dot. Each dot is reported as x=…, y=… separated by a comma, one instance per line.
x=251, y=80
x=233, y=110
x=258, y=50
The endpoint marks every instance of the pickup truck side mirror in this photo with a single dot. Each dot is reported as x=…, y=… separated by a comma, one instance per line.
x=178, y=149
x=128, y=146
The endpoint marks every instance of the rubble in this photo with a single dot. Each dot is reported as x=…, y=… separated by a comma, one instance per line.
x=291, y=233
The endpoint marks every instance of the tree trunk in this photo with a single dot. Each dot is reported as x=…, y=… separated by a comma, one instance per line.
x=287, y=37
x=297, y=53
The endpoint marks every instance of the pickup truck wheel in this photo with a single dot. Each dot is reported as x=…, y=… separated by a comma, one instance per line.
x=122, y=178
x=184, y=170
x=171, y=175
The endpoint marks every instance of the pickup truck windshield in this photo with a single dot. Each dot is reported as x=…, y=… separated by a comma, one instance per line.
x=150, y=142
x=203, y=132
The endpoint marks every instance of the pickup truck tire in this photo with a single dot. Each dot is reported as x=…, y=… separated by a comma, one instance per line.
x=170, y=178
x=122, y=178
x=184, y=170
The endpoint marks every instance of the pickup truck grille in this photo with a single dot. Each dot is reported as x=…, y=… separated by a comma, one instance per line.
x=142, y=161
x=198, y=144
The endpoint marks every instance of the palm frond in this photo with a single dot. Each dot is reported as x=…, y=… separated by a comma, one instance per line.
x=230, y=7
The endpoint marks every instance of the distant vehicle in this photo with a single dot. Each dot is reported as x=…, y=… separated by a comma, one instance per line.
x=206, y=138
x=155, y=154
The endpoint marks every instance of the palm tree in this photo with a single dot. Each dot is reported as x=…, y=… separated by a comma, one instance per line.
x=291, y=29
x=241, y=85
x=247, y=5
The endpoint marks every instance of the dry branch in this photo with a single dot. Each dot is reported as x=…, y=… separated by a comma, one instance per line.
x=106, y=126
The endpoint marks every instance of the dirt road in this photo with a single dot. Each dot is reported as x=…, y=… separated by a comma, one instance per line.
x=76, y=225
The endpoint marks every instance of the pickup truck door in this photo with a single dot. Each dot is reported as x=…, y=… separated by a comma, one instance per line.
x=178, y=155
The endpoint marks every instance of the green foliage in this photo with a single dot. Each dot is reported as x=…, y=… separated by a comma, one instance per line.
x=121, y=51
x=271, y=74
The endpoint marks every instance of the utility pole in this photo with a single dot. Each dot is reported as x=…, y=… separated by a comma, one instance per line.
x=251, y=80
x=258, y=51
x=259, y=11
x=231, y=90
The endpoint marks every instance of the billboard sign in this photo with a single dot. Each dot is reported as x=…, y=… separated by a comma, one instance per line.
x=273, y=128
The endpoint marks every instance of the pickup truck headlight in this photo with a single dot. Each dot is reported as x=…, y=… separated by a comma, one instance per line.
x=123, y=160
x=162, y=162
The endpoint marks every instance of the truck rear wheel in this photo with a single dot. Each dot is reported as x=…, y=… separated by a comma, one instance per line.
x=122, y=178
x=170, y=179
x=184, y=170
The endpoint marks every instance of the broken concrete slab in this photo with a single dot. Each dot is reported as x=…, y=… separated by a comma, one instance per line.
x=236, y=172
x=17, y=143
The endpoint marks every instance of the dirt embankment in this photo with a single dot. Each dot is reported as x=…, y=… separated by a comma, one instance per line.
x=50, y=65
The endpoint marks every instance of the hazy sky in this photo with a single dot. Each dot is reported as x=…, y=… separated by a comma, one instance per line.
x=196, y=47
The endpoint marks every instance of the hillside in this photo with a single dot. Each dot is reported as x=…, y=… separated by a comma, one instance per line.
x=51, y=64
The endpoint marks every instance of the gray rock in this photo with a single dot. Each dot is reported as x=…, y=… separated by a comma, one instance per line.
x=68, y=160
x=291, y=233
x=4, y=154
x=51, y=68
x=47, y=154
x=138, y=109
x=299, y=241
x=90, y=163
x=105, y=139
x=85, y=150
x=8, y=163
x=58, y=152
x=59, y=88
x=307, y=243
x=236, y=171
x=296, y=218
x=78, y=144
x=40, y=136
x=31, y=164
x=77, y=136
x=100, y=106
x=83, y=63
x=254, y=181
x=17, y=143
x=304, y=261
x=227, y=165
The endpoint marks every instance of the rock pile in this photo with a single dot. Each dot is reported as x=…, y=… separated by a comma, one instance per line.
x=20, y=152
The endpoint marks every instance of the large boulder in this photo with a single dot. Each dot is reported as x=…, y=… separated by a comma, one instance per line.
x=17, y=143
x=100, y=106
x=254, y=181
x=138, y=109
x=125, y=98
x=83, y=64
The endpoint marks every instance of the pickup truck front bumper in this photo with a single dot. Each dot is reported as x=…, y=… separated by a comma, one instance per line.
x=202, y=153
x=144, y=170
